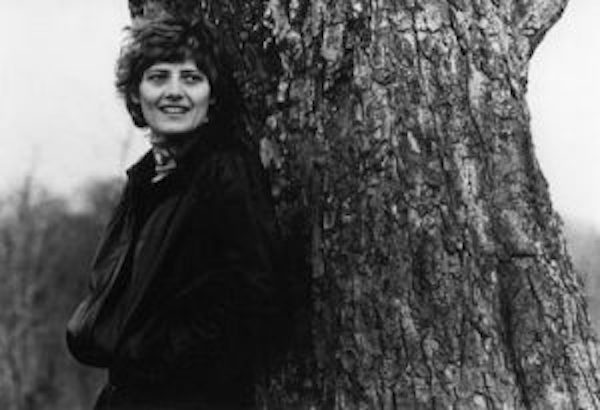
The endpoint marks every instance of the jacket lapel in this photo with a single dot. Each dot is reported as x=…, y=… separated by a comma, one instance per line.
x=159, y=236
x=152, y=250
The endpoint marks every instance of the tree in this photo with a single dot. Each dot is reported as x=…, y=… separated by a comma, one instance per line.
x=398, y=135
x=45, y=252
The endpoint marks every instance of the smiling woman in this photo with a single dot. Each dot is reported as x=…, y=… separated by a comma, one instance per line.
x=184, y=289
x=174, y=98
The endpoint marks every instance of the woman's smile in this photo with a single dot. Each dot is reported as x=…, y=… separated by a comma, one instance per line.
x=174, y=109
x=174, y=97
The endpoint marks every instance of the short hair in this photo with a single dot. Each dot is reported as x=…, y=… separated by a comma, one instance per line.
x=170, y=39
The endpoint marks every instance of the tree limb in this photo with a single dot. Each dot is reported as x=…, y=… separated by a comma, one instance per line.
x=534, y=18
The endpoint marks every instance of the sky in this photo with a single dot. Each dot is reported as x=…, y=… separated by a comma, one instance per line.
x=564, y=87
x=60, y=116
x=62, y=122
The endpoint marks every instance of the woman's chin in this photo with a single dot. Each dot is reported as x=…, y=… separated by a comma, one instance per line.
x=175, y=133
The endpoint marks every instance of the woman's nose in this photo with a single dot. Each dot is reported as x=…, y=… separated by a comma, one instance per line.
x=174, y=89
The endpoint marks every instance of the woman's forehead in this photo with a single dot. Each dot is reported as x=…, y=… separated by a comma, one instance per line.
x=186, y=65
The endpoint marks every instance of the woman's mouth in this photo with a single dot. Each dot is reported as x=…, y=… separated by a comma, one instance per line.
x=174, y=109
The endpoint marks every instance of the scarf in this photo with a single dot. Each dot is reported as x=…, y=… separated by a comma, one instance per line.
x=168, y=153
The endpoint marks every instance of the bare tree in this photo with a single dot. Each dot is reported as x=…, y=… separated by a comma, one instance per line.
x=398, y=134
x=21, y=237
x=45, y=249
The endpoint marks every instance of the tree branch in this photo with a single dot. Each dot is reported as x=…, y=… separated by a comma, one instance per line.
x=534, y=18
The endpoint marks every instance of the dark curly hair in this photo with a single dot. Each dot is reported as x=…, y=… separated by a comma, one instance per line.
x=170, y=39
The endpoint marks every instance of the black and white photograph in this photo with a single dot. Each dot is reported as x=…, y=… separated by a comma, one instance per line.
x=299, y=205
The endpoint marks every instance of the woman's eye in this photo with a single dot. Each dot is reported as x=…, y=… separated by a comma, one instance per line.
x=156, y=77
x=193, y=78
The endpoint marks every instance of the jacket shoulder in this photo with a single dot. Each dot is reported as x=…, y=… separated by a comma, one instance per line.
x=232, y=172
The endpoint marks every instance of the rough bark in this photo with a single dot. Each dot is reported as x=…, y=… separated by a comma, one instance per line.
x=398, y=134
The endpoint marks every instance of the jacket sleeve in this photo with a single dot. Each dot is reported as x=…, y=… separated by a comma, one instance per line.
x=223, y=314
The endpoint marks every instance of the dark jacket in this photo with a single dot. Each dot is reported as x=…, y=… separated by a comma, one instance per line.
x=184, y=297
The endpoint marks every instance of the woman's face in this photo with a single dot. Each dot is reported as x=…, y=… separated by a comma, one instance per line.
x=174, y=97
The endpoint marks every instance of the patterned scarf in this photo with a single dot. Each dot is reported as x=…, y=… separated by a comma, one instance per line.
x=167, y=153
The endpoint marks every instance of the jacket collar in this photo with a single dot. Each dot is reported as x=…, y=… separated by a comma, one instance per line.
x=207, y=139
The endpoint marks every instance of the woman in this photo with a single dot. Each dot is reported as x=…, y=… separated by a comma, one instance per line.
x=183, y=289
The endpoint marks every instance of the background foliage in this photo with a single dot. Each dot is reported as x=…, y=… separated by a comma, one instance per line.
x=45, y=251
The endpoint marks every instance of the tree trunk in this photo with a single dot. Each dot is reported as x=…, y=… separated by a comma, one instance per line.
x=398, y=135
